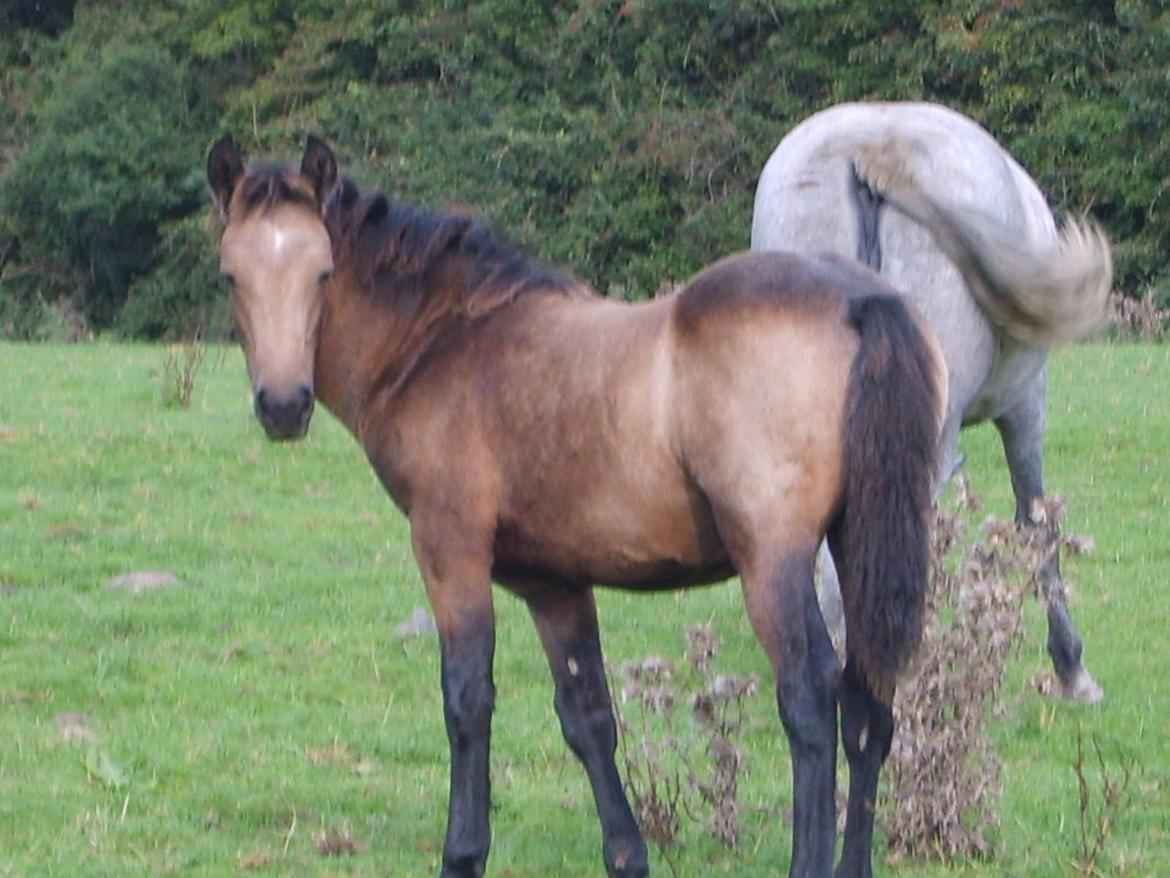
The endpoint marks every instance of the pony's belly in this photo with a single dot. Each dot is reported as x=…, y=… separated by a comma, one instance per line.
x=655, y=551
x=636, y=576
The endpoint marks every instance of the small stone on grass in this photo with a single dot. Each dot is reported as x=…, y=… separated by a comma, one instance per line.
x=419, y=624
x=142, y=581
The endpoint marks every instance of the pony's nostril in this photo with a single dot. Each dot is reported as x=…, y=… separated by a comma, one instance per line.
x=284, y=417
x=260, y=401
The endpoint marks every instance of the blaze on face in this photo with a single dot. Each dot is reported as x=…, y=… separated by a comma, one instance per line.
x=276, y=258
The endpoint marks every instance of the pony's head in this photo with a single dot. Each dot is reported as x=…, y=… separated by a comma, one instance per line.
x=276, y=257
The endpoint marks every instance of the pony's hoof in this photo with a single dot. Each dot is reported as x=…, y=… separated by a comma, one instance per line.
x=1081, y=687
x=626, y=859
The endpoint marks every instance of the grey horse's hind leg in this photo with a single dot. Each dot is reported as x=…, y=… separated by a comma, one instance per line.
x=1022, y=432
x=829, y=598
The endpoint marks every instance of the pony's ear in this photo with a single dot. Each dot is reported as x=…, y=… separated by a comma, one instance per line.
x=225, y=166
x=319, y=167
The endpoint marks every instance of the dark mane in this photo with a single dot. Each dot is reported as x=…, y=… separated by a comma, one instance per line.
x=390, y=244
x=394, y=249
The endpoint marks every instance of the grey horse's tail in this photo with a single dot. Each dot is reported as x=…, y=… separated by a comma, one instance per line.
x=1037, y=293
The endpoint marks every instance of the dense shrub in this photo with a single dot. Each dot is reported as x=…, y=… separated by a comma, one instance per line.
x=110, y=161
x=183, y=297
x=619, y=137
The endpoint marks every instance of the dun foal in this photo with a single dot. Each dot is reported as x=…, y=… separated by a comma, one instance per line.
x=547, y=439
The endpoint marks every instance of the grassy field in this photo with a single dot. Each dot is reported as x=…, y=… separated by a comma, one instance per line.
x=220, y=727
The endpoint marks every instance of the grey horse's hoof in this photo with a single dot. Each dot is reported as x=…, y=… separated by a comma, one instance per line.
x=1081, y=687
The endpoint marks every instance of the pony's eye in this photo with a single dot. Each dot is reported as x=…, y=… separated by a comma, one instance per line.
x=229, y=279
x=323, y=278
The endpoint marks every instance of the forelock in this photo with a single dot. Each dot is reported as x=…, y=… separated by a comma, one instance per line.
x=268, y=186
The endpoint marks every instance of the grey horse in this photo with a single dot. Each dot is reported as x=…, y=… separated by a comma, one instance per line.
x=928, y=198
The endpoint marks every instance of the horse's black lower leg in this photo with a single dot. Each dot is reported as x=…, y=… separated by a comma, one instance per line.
x=789, y=624
x=468, y=700
x=1065, y=647
x=867, y=728
x=566, y=619
x=1022, y=432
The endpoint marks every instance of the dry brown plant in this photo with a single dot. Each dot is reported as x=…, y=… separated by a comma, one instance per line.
x=1137, y=319
x=944, y=772
x=1098, y=813
x=180, y=369
x=683, y=762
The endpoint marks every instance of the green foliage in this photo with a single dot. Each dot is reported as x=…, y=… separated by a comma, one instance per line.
x=46, y=16
x=1077, y=92
x=111, y=159
x=182, y=297
x=621, y=138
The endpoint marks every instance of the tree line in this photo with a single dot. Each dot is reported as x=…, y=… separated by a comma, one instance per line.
x=621, y=138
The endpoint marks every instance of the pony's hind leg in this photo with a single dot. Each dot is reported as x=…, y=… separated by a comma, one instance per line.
x=867, y=729
x=1022, y=432
x=566, y=619
x=782, y=606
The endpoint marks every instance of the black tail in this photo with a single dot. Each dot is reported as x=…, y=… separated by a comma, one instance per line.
x=893, y=411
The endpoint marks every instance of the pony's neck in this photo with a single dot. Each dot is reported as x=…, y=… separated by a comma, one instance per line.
x=366, y=346
x=403, y=276
x=349, y=338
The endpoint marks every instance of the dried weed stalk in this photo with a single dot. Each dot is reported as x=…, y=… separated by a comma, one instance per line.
x=1137, y=319
x=945, y=775
x=1098, y=814
x=683, y=762
x=179, y=371
x=337, y=842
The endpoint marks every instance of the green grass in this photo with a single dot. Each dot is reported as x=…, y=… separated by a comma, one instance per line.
x=269, y=699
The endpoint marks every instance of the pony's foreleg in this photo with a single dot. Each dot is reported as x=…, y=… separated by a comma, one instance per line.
x=566, y=619
x=1022, y=432
x=468, y=700
x=867, y=729
x=782, y=605
x=459, y=588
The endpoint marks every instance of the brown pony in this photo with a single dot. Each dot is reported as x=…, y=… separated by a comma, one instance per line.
x=547, y=439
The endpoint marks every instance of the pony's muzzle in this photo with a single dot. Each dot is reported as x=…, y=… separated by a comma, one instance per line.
x=284, y=417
